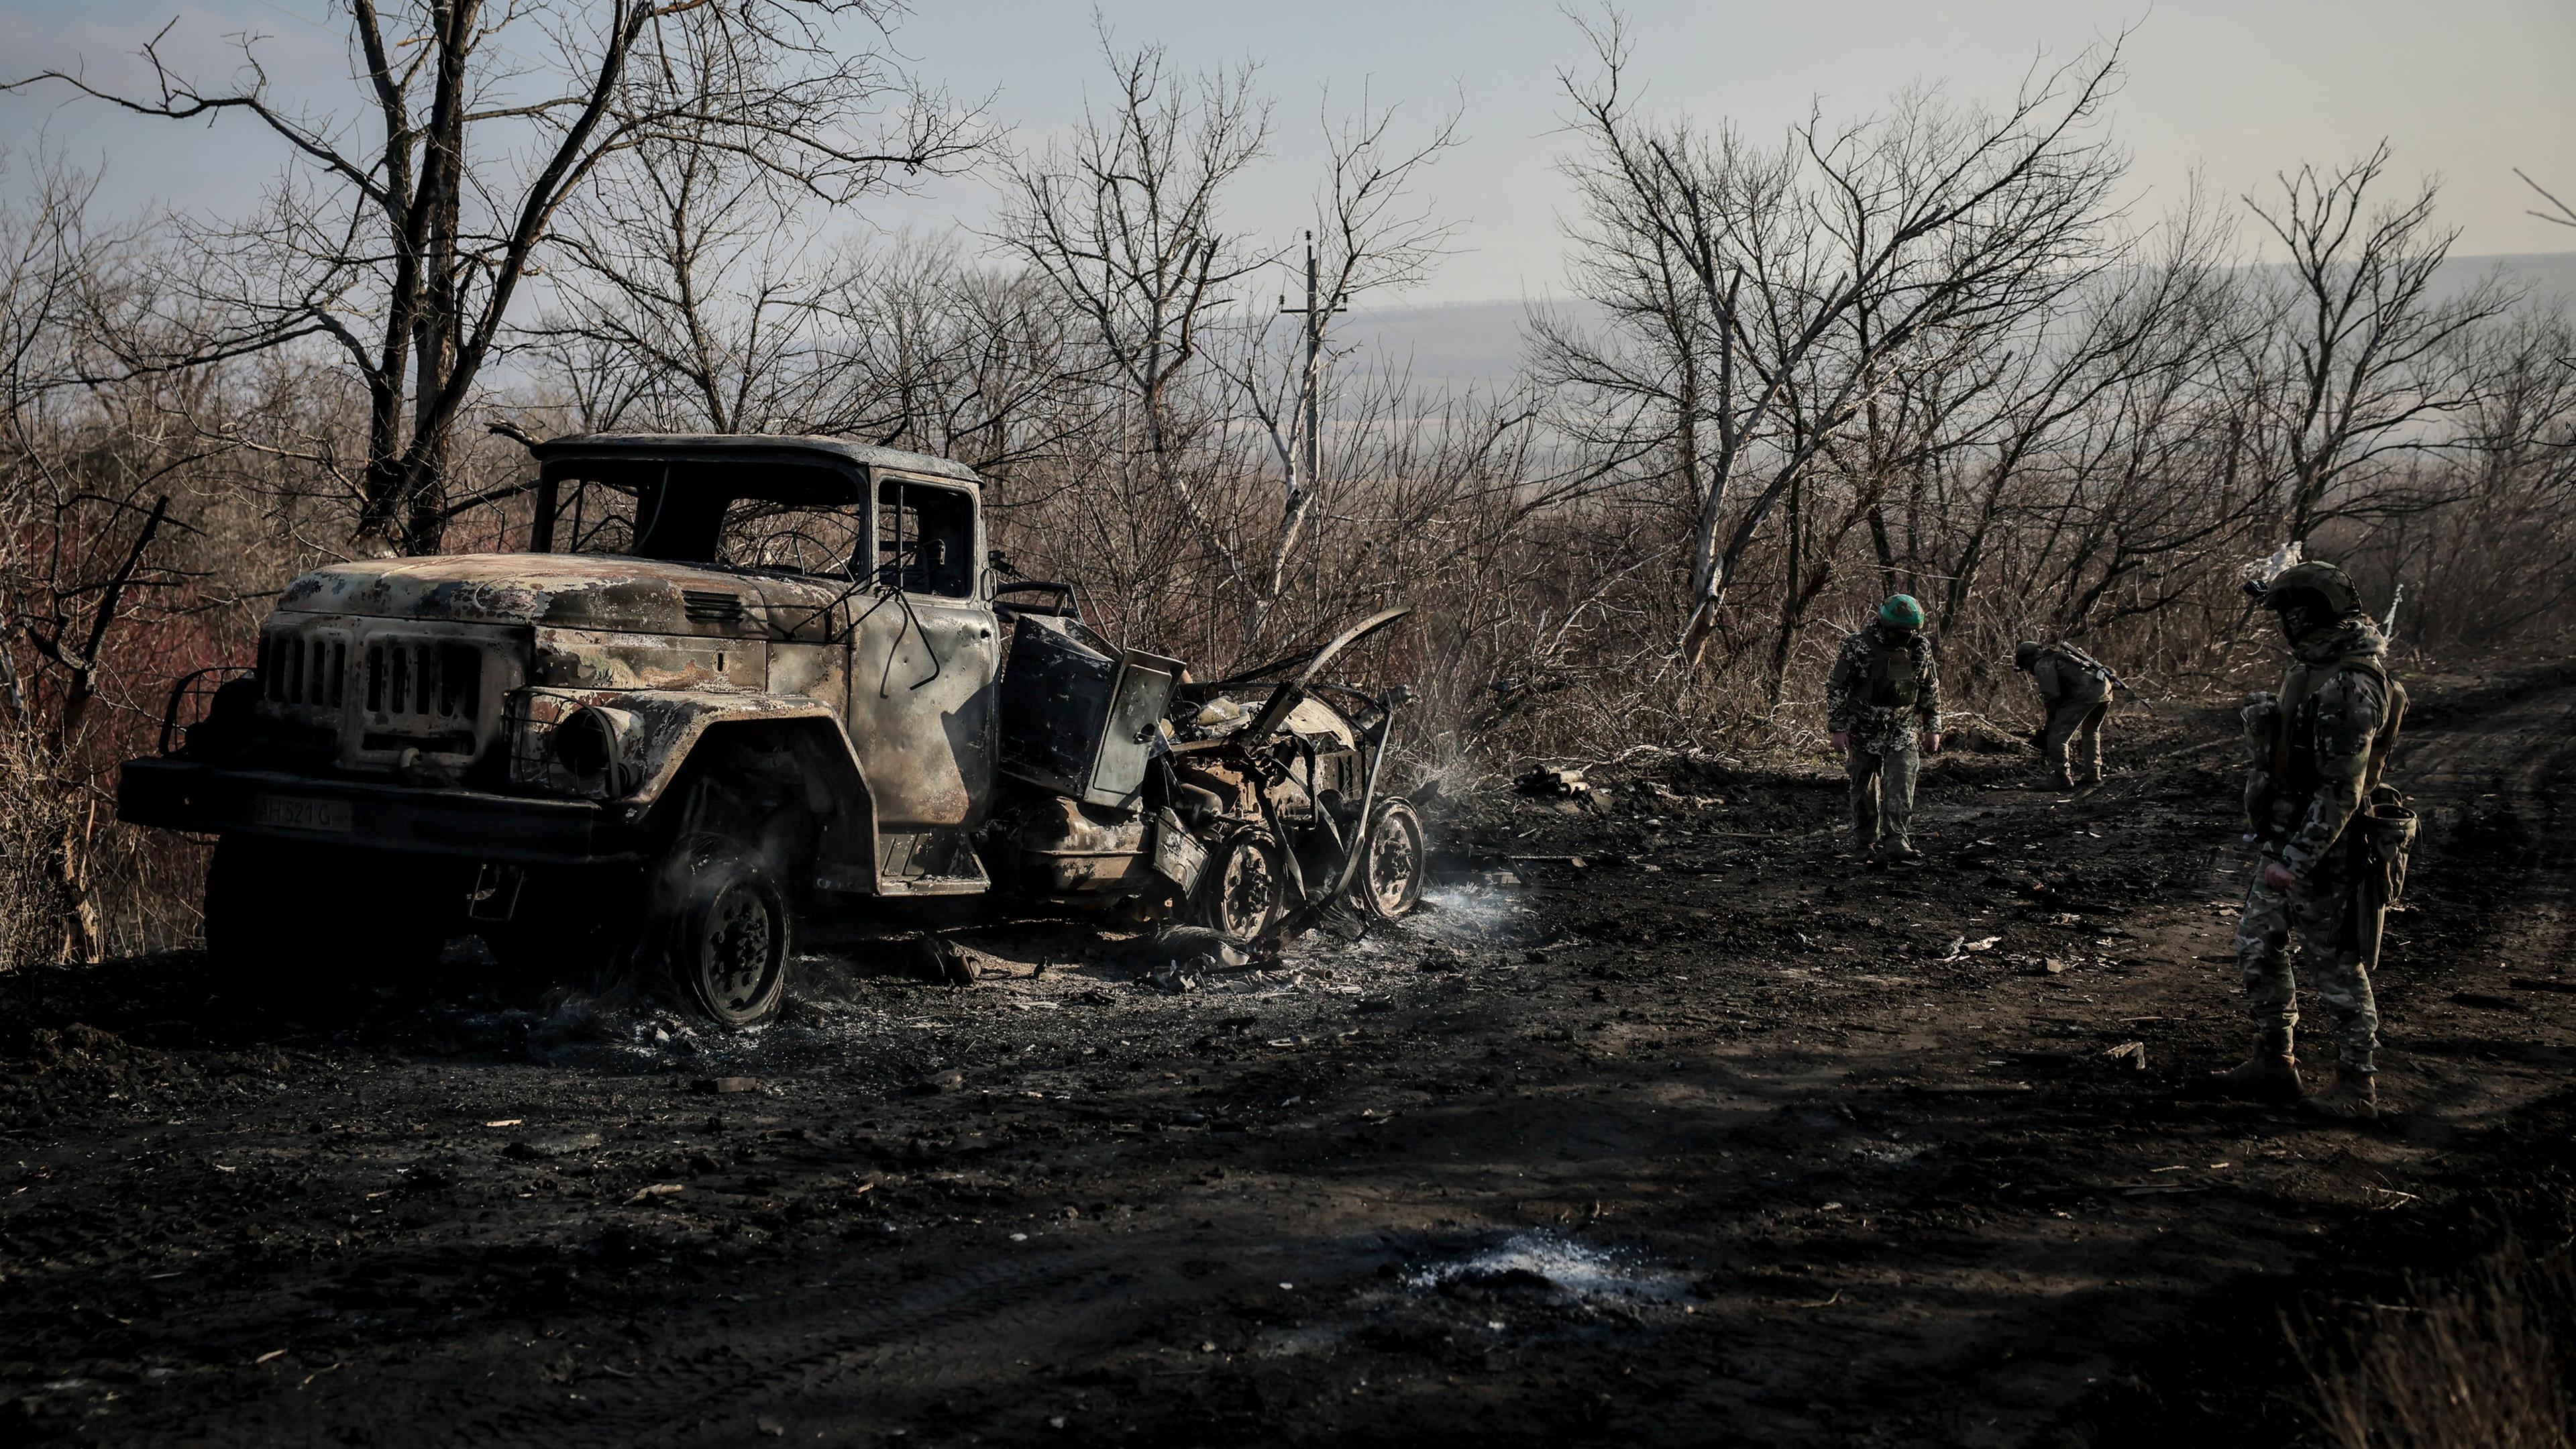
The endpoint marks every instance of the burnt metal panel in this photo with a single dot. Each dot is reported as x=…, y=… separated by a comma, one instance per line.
x=185, y=795
x=1078, y=719
x=747, y=447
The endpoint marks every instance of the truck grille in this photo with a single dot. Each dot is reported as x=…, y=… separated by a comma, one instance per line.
x=424, y=692
x=706, y=606
x=306, y=670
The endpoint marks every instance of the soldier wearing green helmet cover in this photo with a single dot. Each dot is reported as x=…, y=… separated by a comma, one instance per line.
x=1883, y=705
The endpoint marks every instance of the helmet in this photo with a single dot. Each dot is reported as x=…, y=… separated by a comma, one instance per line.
x=2323, y=580
x=2025, y=654
x=1901, y=611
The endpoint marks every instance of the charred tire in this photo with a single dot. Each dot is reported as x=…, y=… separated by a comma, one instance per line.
x=722, y=931
x=1243, y=886
x=1393, y=858
x=290, y=917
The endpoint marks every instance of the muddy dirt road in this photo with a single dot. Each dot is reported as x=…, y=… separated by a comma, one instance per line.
x=1665, y=1127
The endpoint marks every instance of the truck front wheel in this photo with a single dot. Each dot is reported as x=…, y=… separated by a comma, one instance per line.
x=722, y=930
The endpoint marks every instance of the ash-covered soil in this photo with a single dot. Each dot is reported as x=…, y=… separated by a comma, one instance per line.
x=1668, y=1125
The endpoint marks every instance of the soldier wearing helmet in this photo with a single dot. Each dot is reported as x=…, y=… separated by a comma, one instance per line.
x=2076, y=690
x=2319, y=747
x=1883, y=705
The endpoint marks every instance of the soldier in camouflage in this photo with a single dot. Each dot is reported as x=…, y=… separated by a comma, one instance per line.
x=2076, y=690
x=1883, y=705
x=2320, y=746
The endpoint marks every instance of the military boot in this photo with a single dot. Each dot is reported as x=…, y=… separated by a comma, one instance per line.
x=1895, y=850
x=2354, y=1097
x=2270, y=1075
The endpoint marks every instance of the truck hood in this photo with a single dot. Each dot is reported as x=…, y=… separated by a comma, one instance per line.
x=560, y=590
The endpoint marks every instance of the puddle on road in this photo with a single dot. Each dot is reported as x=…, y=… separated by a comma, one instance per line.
x=1543, y=1263
x=1527, y=1284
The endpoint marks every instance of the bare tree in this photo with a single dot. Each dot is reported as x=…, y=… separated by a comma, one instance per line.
x=2559, y=212
x=1806, y=271
x=86, y=478
x=1125, y=220
x=1374, y=232
x=2363, y=363
x=385, y=239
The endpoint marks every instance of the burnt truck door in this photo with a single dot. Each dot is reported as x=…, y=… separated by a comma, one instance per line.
x=922, y=673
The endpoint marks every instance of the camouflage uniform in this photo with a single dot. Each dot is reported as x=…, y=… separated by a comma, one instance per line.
x=1885, y=691
x=2077, y=691
x=2336, y=705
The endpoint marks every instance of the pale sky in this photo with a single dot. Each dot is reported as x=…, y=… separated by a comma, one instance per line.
x=2468, y=89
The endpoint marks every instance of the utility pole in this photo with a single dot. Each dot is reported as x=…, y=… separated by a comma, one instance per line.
x=1305, y=460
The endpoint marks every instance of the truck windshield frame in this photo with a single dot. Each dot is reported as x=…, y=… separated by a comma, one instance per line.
x=682, y=509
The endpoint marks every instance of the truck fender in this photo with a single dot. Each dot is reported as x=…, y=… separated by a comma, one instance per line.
x=683, y=737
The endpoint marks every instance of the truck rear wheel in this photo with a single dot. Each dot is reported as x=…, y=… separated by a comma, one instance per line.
x=1243, y=885
x=722, y=931
x=1388, y=883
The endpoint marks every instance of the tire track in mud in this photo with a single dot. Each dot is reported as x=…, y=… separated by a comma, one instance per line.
x=698, y=1400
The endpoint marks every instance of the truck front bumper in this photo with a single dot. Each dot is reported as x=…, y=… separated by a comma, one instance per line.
x=465, y=824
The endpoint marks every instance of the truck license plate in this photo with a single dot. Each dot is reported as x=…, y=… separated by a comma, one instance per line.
x=289, y=813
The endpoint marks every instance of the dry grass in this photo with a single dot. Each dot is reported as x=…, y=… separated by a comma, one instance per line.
x=2480, y=1361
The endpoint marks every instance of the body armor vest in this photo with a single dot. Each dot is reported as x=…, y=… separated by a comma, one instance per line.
x=1896, y=675
x=2294, y=747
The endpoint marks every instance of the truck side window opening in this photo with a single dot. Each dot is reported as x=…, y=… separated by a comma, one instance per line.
x=594, y=517
x=790, y=537
x=925, y=539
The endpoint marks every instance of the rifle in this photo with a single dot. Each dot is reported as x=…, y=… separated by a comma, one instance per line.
x=2121, y=684
x=2114, y=680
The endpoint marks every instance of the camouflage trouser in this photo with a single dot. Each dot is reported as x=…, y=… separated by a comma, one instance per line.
x=2074, y=739
x=1882, y=793
x=2325, y=911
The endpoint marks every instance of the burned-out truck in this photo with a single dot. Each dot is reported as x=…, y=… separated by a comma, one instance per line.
x=735, y=687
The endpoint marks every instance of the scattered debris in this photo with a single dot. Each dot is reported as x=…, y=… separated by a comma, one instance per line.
x=1573, y=794
x=656, y=1190
x=1177, y=958
x=941, y=960
x=1553, y=781
x=724, y=1086
x=2486, y=1000
x=2129, y=1053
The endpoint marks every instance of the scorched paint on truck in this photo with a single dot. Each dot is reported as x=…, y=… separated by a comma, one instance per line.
x=739, y=683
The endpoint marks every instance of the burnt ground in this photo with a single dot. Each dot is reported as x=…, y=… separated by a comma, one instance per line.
x=1665, y=1126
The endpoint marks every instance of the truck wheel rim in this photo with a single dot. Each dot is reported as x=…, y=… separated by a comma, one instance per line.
x=740, y=953
x=1248, y=892
x=1395, y=863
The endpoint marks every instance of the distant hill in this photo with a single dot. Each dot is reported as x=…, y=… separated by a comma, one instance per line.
x=1478, y=344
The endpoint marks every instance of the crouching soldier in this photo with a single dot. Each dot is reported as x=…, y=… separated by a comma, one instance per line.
x=2077, y=692
x=2332, y=840
x=1883, y=703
